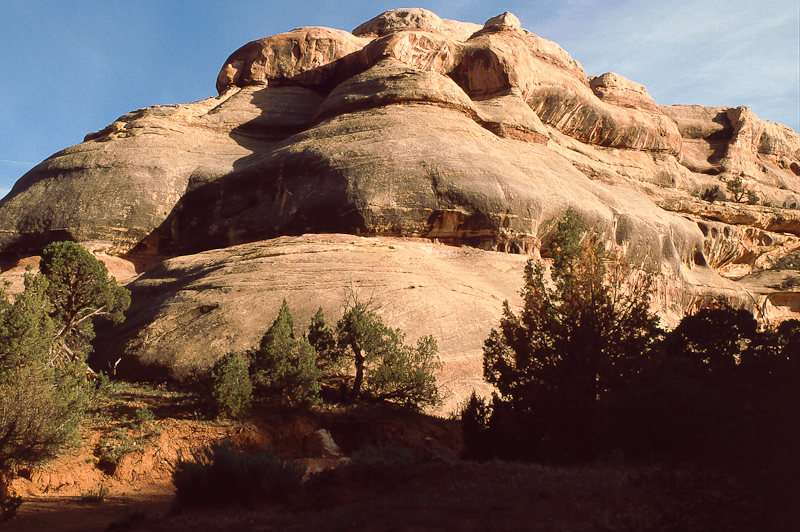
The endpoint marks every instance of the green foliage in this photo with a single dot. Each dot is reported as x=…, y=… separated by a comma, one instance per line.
x=41, y=404
x=126, y=438
x=225, y=475
x=284, y=368
x=711, y=194
x=95, y=496
x=739, y=193
x=736, y=188
x=362, y=357
x=9, y=503
x=143, y=415
x=788, y=340
x=43, y=395
x=385, y=368
x=475, y=415
x=40, y=410
x=114, y=445
x=324, y=342
x=79, y=289
x=27, y=333
x=576, y=338
x=233, y=391
x=787, y=262
x=713, y=393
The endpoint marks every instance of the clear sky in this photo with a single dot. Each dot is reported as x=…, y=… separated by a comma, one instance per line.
x=68, y=68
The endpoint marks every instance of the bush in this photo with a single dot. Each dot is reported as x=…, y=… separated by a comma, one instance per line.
x=223, y=474
x=580, y=334
x=387, y=455
x=711, y=194
x=80, y=289
x=475, y=415
x=9, y=503
x=736, y=188
x=44, y=340
x=384, y=368
x=233, y=391
x=284, y=368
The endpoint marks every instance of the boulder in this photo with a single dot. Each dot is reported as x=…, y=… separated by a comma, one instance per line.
x=397, y=20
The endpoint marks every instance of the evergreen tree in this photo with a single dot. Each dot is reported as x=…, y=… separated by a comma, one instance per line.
x=284, y=367
x=324, y=342
x=43, y=330
x=232, y=391
x=581, y=333
x=80, y=290
x=384, y=368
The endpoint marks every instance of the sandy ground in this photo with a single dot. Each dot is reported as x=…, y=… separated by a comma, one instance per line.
x=70, y=514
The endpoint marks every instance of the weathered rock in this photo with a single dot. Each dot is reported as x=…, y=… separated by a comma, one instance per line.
x=121, y=183
x=616, y=90
x=415, y=19
x=188, y=311
x=309, y=57
x=732, y=142
x=412, y=126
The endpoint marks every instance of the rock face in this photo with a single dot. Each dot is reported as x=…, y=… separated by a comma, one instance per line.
x=417, y=127
x=189, y=310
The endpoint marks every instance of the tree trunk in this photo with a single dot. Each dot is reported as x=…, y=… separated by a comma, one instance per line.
x=359, y=361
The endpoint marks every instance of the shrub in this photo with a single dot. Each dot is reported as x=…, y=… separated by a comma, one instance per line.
x=385, y=368
x=711, y=194
x=223, y=474
x=9, y=503
x=39, y=414
x=787, y=262
x=80, y=290
x=736, y=188
x=112, y=446
x=130, y=437
x=284, y=368
x=95, y=496
x=44, y=339
x=581, y=333
x=233, y=391
x=143, y=415
x=475, y=415
x=385, y=455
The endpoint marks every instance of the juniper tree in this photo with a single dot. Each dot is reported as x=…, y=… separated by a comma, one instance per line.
x=80, y=290
x=284, y=367
x=232, y=391
x=579, y=334
x=383, y=367
x=44, y=338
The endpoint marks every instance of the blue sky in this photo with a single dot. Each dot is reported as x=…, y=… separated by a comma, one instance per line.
x=71, y=68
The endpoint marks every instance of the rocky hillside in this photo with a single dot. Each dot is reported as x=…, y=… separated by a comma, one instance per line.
x=424, y=135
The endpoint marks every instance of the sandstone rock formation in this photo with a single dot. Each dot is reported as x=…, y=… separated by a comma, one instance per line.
x=187, y=310
x=412, y=126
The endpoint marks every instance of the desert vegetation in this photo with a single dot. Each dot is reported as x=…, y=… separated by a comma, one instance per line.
x=583, y=371
x=45, y=335
x=672, y=429
x=360, y=360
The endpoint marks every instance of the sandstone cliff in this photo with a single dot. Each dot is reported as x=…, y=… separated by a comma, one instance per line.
x=416, y=127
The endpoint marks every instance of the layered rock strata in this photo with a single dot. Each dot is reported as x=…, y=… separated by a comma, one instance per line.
x=414, y=126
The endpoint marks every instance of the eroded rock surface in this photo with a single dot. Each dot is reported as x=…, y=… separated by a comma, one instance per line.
x=415, y=126
x=188, y=311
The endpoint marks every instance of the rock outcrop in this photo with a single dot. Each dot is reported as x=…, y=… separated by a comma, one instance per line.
x=416, y=127
x=188, y=310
